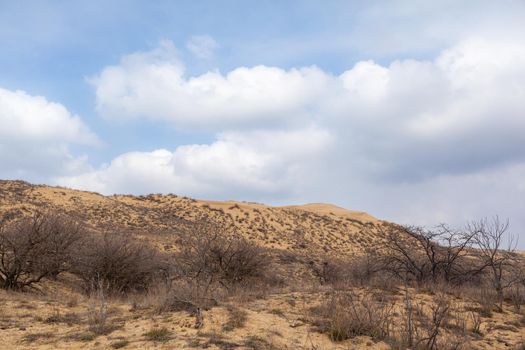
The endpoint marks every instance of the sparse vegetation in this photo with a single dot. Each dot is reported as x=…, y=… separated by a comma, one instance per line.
x=158, y=334
x=120, y=344
x=347, y=314
x=236, y=318
x=200, y=274
x=81, y=336
x=33, y=337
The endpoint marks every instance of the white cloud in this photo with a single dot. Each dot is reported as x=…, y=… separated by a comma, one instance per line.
x=422, y=133
x=35, y=118
x=412, y=116
x=35, y=135
x=202, y=46
x=401, y=27
x=153, y=85
x=236, y=164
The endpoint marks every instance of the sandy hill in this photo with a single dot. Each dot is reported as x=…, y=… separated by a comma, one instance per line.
x=311, y=228
x=291, y=305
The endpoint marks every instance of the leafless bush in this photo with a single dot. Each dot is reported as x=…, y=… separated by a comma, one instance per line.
x=98, y=309
x=424, y=327
x=438, y=316
x=179, y=295
x=370, y=270
x=236, y=318
x=476, y=322
x=486, y=297
x=329, y=271
x=213, y=259
x=348, y=314
x=516, y=295
x=495, y=251
x=36, y=247
x=117, y=262
x=422, y=255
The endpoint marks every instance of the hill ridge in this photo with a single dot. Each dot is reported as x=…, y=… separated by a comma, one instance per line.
x=316, y=228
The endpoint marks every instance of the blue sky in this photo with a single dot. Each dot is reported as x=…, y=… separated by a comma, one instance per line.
x=410, y=110
x=51, y=47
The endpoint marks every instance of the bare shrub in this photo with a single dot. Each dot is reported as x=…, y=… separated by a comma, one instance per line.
x=63, y=233
x=212, y=259
x=370, y=270
x=364, y=268
x=495, y=250
x=516, y=295
x=116, y=261
x=179, y=295
x=98, y=310
x=486, y=298
x=476, y=322
x=329, y=271
x=36, y=247
x=434, y=324
x=423, y=255
x=33, y=337
x=424, y=327
x=236, y=318
x=348, y=314
x=158, y=334
x=120, y=344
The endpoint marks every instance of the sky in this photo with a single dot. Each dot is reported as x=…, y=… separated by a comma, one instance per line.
x=413, y=111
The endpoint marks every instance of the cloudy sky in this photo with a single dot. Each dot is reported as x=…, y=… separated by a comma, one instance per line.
x=411, y=110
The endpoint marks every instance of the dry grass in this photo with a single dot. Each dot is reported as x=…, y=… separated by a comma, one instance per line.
x=236, y=318
x=158, y=334
x=348, y=314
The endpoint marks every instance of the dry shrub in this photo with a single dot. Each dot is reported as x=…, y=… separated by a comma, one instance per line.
x=476, y=322
x=67, y=318
x=370, y=270
x=33, y=337
x=258, y=343
x=120, y=344
x=158, y=334
x=440, y=325
x=213, y=260
x=117, y=262
x=364, y=269
x=329, y=271
x=367, y=270
x=36, y=247
x=180, y=295
x=98, y=311
x=347, y=314
x=432, y=326
x=516, y=296
x=236, y=318
x=485, y=297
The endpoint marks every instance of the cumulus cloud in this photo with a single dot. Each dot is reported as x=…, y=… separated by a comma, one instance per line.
x=260, y=163
x=457, y=113
x=202, y=46
x=35, y=137
x=435, y=134
x=153, y=85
